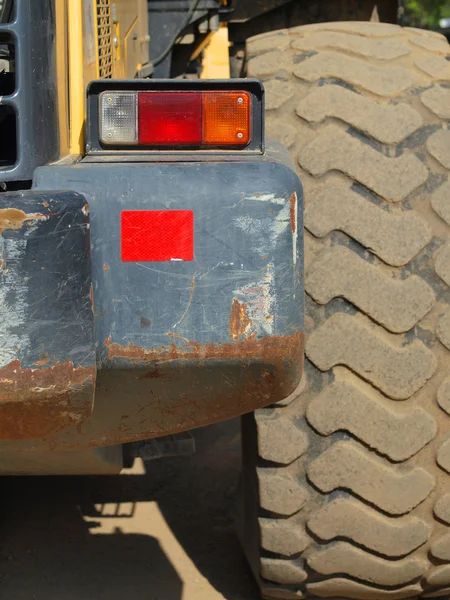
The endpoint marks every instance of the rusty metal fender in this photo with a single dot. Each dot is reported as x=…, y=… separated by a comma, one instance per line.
x=47, y=354
x=181, y=344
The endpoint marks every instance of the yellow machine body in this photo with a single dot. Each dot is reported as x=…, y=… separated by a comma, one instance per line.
x=95, y=39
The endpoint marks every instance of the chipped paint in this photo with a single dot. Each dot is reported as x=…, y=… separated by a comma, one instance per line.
x=265, y=230
x=13, y=303
x=277, y=350
x=294, y=224
x=259, y=300
x=14, y=218
x=266, y=198
x=239, y=320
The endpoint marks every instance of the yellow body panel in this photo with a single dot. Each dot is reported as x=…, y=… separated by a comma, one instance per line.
x=216, y=60
x=62, y=75
x=105, y=38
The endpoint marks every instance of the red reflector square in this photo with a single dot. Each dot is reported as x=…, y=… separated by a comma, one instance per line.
x=157, y=235
x=170, y=118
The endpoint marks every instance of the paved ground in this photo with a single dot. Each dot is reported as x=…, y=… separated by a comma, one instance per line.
x=164, y=534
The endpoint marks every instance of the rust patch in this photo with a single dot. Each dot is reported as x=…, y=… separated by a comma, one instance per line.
x=139, y=404
x=274, y=350
x=36, y=403
x=293, y=212
x=43, y=361
x=106, y=267
x=13, y=218
x=239, y=320
x=176, y=335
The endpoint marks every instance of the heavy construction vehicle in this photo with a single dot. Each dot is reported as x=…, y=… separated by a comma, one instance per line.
x=151, y=267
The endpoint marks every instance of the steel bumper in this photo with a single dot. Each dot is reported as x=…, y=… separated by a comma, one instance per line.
x=173, y=345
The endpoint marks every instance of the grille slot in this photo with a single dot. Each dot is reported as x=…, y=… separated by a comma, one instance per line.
x=29, y=135
x=104, y=39
x=7, y=65
x=8, y=141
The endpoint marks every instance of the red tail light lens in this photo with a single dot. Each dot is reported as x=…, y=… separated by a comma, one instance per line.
x=172, y=118
x=169, y=118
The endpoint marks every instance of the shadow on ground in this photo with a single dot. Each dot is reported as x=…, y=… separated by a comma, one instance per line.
x=169, y=534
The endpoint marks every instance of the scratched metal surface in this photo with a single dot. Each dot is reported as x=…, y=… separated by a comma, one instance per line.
x=248, y=252
x=181, y=344
x=47, y=354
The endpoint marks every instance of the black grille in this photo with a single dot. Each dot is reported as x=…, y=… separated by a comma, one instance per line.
x=28, y=94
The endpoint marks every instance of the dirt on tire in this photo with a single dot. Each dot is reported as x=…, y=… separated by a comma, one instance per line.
x=357, y=503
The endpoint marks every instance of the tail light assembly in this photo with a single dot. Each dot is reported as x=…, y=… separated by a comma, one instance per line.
x=151, y=117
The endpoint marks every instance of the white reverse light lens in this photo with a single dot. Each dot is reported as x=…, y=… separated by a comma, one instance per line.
x=118, y=118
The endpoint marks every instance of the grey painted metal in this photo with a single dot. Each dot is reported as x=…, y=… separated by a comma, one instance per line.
x=243, y=238
x=181, y=344
x=34, y=101
x=47, y=353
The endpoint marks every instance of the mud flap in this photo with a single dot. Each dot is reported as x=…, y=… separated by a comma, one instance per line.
x=47, y=351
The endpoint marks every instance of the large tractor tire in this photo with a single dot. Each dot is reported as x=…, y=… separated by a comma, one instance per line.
x=351, y=473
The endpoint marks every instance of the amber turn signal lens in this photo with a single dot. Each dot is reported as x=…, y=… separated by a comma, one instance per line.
x=226, y=118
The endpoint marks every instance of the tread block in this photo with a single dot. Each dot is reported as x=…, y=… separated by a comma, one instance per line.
x=282, y=132
x=434, y=66
x=277, y=92
x=281, y=536
x=270, y=591
x=282, y=571
x=440, y=200
x=426, y=33
x=386, y=123
x=390, y=178
x=279, y=439
x=342, y=557
x=363, y=28
x=443, y=395
x=396, y=304
x=443, y=329
x=442, y=263
x=437, y=99
x=439, y=576
x=398, y=371
x=441, y=548
x=395, y=238
x=346, y=588
x=276, y=40
x=433, y=44
x=269, y=64
x=443, y=457
x=280, y=493
x=397, y=434
x=347, y=466
x=348, y=518
x=438, y=145
x=442, y=508
x=384, y=80
x=368, y=47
